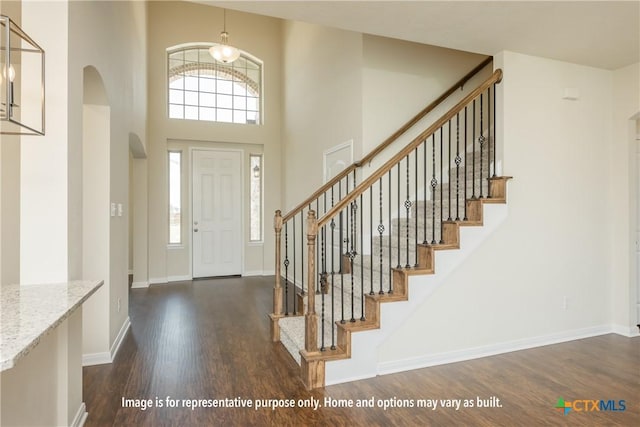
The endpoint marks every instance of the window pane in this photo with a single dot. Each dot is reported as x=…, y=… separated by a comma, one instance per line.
x=178, y=83
x=176, y=111
x=191, y=113
x=208, y=114
x=176, y=96
x=175, y=205
x=224, y=86
x=252, y=104
x=239, y=103
x=224, y=115
x=191, y=98
x=255, y=170
x=207, y=99
x=207, y=84
x=224, y=101
x=239, y=116
x=191, y=83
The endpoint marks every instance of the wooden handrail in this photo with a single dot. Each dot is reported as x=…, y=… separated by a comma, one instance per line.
x=384, y=144
x=429, y=108
x=496, y=77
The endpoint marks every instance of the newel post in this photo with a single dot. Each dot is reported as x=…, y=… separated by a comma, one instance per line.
x=311, y=319
x=277, y=288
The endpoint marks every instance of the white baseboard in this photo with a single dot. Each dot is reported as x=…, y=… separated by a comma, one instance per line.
x=178, y=278
x=81, y=416
x=138, y=285
x=269, y=273
x=625, y=331
x=252, y=273
x=92, y=359
x=120, y=338
x=103, y=358
x=394, y=366
x=157, y=280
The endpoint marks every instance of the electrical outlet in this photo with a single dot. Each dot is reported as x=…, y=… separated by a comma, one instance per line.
x=118, y=305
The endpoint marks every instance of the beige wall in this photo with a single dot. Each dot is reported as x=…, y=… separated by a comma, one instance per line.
x=624, y=195
x=400, y=78
x=174, y=23
x=322, y=102
x=10, y=186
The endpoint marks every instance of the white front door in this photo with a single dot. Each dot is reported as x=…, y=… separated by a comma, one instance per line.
x=217, y=213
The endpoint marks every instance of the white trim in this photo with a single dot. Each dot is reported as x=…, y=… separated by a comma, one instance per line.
x=394, y=366
x=139, y=285
x=92, y=359
x=179, y=278
x=347, y=144
x=81, y=416
x=120, y=338
x=130, y=272
x=268, y=272
x=253, y=273
x=625, y=331
x=157, y=280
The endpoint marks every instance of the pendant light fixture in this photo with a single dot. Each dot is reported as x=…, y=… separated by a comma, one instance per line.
x=21, y=81
x=223, y=52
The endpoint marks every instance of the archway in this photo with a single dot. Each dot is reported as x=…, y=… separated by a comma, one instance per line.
x=96, y=211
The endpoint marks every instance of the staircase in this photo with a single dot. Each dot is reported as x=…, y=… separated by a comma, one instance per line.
x=355, y=243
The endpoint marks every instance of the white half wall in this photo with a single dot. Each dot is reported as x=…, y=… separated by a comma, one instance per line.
x=544, y=272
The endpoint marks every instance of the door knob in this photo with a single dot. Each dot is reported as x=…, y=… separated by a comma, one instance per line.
x=195, y=230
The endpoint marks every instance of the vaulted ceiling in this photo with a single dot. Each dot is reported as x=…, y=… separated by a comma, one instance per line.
x=603, y=34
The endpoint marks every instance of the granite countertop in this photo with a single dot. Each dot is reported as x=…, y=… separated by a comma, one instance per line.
x=29, y=312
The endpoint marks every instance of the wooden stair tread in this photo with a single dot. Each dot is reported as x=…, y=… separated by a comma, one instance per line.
x=326, y=355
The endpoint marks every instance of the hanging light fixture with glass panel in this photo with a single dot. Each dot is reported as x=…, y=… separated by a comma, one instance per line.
x=22, y=96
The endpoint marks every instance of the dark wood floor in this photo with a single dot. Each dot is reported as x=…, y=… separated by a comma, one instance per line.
x=209, y=339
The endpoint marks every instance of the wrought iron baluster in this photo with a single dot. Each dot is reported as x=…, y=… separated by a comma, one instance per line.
x=332, y=225
x=352, y=255
x=424, y=193
x=398, y=219
x=481, y=141
x=415, y=211
x=323, y=287
x=466, y=163
x=441, y=189
x=458, y=161
x=286, y=269
x=495, y=121
x=380, y=232
x=371, y=241
x=434, y=183
x=361, y=261
x=293, y=239
x=491, y=140
x=407, y=206
x=449, y=175
x=473, y=141
x=390, y=233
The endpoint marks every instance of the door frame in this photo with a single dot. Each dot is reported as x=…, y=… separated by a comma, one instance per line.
x=242, y=201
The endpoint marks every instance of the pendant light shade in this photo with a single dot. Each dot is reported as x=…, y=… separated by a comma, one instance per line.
x=21, y=81
x=224, y=52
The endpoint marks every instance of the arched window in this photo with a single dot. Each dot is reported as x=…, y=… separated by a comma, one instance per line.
x=201, y=88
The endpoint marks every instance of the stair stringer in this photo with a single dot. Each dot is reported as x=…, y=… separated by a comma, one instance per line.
x=365, y=345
